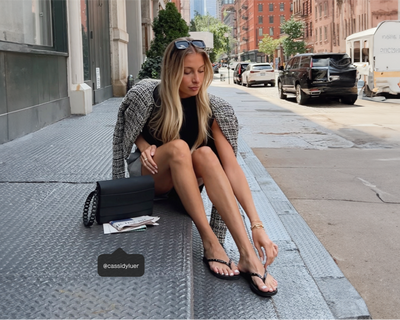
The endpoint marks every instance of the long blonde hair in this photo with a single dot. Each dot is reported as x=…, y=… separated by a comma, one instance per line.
x=167, y=122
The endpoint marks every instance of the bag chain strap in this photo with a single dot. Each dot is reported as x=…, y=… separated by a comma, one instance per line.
x=88, y=222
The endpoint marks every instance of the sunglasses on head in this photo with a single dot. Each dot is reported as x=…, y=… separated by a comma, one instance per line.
x=184, y=44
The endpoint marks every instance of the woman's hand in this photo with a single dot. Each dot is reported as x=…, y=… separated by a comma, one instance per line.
x=147, y=159
x=261, y=240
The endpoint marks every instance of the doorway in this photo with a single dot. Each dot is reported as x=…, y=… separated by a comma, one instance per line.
x=96, y=48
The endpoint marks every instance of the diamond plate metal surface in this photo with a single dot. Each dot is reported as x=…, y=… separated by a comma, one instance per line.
x=49, y=254
x=220, y=299
x=75, y=149
x=48, y=259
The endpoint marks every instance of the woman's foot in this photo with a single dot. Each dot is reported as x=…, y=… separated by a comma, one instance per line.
x=215, y=251
x=254, y=265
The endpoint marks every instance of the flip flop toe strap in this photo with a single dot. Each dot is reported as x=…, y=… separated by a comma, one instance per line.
x=253, y=274
x=221, y=261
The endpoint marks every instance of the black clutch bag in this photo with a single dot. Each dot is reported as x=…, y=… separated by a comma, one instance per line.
x=119, y=199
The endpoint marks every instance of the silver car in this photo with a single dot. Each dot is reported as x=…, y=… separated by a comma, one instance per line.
x=258, y=73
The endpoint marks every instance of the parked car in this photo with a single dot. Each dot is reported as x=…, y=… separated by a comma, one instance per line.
x=237, y=73
x=258, y=73
x=232, y=65
x=312, y=75
x=215, y=67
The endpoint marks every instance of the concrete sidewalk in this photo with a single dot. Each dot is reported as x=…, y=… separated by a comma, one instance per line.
x=48, y=260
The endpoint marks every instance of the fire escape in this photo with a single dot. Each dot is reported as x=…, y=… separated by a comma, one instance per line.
x=244, y=26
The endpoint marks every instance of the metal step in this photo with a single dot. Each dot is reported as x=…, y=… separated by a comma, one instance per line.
x=49, y=260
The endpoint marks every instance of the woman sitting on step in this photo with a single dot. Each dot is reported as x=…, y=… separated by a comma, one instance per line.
x=186, y=138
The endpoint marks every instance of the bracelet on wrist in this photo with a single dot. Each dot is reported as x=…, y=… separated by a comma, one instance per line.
x=257, y=226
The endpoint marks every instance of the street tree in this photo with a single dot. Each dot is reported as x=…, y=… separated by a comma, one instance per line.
x=168, y=26
x=217, y=28
x=292, y=42
x=268, y=45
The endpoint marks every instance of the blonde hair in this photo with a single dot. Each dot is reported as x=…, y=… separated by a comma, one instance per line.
x=167, y=122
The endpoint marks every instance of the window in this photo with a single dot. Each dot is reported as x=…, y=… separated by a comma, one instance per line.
x=310, y=29
x=282, y=19
x=337, y=34
x=320, y=33
x=295, y=64
x=316, y=12
x=325, y=33
x=260, y=19
x=260, y=32
x=356, y=51
x=271, y=31
x=271, y=19
x=271, y=7
x=282, y=7
x=320, y=11
x=316, y=34
x=27, y=22
x=305, y=62
x=289, y=64
x=325, y=8
x=260, y=7
x=365, y=52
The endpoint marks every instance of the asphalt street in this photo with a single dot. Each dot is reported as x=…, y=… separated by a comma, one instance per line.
x=339, y=167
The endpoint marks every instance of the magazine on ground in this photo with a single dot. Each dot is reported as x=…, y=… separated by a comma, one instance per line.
x=125, y=225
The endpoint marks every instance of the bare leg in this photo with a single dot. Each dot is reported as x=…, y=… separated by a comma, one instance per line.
x=175, y=169
x=207, y=166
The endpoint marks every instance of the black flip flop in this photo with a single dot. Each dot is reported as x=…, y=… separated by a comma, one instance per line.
x=254, y=287
x=220, y=276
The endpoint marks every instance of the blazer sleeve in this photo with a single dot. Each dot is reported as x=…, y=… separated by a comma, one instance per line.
x=226, y=119
x=132, y=116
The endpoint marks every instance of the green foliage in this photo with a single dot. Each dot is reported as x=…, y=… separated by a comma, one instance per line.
x=167, y=27
x=268, y=45
x=217, y=28
x=292, y=43
x=151, y=68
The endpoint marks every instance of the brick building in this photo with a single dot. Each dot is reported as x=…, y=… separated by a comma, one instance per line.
x=252, y=20
x=329, y=22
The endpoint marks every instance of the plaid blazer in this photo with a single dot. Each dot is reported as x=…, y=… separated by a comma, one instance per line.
x=133, y=114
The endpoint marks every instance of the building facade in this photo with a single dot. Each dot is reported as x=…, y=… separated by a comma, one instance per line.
x=60, y=57
x=329, y=22
x=183, y=7
x=202, y=7
x=256, y=18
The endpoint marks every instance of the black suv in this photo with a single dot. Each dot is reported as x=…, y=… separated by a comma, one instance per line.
x=319, y=74
x=237, y=73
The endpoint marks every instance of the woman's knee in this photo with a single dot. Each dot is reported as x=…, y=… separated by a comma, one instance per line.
x=178, y=150
x=205, y=156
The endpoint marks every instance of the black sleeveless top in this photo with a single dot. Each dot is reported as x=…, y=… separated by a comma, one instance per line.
x=190, y=126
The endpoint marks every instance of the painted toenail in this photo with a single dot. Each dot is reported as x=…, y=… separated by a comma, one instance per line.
x=237, y=271
x=232, y=274
x=264, y=287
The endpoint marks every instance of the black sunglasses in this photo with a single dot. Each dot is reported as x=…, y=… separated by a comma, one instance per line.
x=184, y=44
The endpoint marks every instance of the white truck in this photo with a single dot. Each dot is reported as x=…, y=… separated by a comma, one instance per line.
x=376, y=54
